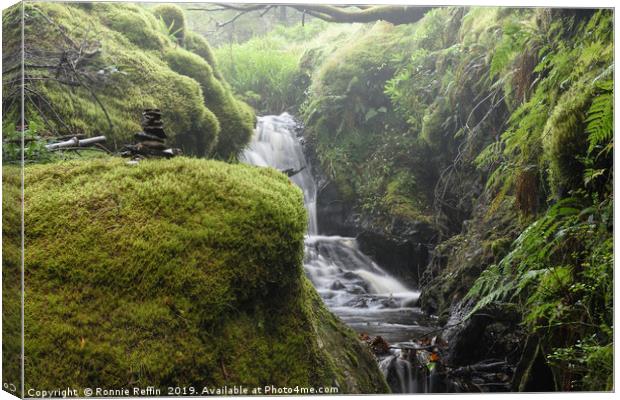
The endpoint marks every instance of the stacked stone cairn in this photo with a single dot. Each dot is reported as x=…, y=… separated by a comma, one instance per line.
x=151, y=141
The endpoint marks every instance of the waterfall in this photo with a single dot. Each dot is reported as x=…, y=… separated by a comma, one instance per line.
x=351, y=284
x=274, y=144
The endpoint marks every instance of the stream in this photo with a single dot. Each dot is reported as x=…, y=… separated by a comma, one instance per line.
x=352, y=285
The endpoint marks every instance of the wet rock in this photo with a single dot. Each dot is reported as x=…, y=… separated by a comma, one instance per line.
x=494, y=332
x=356, y=290
x=411, y=303
x=152, y=123
x=350, y=275
x=389, y=303
x=401, y=248
x=140, y=136
x=333, y=211
x=337, y=285
x=380, y=346
x=358, y=303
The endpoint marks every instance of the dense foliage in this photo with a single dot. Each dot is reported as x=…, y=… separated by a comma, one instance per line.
x=495, y=125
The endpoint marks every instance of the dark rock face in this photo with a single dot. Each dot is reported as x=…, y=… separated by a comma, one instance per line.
x=455, y=264
x=402, y=249
x=493, y=333
x=399, y=247
x=532, y=373
x=494, y=337
x=333, y=213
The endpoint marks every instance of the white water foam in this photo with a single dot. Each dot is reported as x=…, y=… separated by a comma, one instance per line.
x=351, y=284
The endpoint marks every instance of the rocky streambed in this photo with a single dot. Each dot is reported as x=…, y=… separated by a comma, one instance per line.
x=368, y=274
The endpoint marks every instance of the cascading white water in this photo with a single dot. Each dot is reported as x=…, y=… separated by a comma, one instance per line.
x=274, y=144
x=353, y=286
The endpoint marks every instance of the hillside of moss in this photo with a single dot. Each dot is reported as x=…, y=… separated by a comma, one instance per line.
x=494, y=127
x=180, y=272
x=93, y=67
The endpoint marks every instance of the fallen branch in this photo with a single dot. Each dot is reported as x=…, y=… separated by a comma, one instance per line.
x=75, y=142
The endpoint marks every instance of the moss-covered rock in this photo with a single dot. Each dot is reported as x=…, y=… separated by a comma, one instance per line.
x=178, y=272
x=198, y=44
x=174, y=18
x=457, y=262
x=140, y=27
x=236, y=121
x=126, y=71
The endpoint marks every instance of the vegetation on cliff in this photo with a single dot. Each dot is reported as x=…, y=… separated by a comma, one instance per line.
x=496, y=127
x=92, y=68
x=174, y=272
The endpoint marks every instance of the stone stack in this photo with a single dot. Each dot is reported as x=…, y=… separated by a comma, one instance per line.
x=151, y=141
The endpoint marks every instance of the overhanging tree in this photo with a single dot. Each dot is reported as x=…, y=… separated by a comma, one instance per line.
x=343, y=14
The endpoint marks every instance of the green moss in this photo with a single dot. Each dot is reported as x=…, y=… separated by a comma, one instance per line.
x=401, y=200
x=235, y=120
x=11, y=275
x=174, y=18
x=177, y=272
x=128, y=74
x=350, y=120
x=198, y=44
x=135, y=23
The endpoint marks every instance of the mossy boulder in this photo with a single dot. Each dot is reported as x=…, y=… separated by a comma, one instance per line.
x=141, y=28
x=174, y=18
x=198, y=44
x=127, y=70
x=179, y=272
x=236, y=121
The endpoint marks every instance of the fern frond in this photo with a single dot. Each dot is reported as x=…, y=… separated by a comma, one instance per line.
x=600, y=118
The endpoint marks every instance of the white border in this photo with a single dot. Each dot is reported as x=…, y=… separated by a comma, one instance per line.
x=502, y=3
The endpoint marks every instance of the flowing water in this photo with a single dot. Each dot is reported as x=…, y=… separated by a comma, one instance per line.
x=352, y=285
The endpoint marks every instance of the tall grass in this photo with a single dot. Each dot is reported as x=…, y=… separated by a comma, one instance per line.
x=265, y=70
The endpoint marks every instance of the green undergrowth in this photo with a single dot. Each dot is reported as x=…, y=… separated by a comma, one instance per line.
x=554, y=161
x=362, y=142
x=131, y=65
x=173, y=273
x=265, y=71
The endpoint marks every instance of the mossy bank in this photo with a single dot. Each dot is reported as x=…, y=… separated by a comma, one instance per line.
x=175, y=273
x=93, y=67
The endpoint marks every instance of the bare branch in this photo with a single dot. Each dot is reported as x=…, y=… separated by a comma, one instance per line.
x=347, y=14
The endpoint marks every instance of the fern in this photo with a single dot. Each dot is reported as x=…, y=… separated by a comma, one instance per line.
x=600, y=118
x=530, y=258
